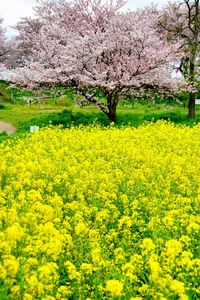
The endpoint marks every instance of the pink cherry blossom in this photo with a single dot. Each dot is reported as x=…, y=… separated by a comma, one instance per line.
x=90, y=44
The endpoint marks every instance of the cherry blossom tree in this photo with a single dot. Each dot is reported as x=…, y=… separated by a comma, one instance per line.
x=96, y=48
x=181, y=20
x=21, y=46
x=2, y=41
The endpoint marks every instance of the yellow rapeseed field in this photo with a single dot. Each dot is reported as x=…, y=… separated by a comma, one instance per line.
x=96, y=213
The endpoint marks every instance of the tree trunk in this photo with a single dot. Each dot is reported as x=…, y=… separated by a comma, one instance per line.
x=191, y=106
x=192, y=96
x=112, y=101
x=112, y=113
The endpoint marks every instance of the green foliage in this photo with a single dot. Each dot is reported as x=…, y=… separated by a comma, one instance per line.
x=2, y=106
x=69, y=118
x=4, y=93
x=12, y=94
x=174, y=116
x=130, y=112
x=3, y=136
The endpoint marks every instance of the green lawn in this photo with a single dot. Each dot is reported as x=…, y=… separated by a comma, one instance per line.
x=19, y=114
x=129, y=112
x=23, y=116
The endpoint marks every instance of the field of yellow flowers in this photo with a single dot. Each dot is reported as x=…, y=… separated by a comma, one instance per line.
x=101, y=213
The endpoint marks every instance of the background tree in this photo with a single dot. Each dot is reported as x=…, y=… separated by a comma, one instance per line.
x=4, y=94
x=2, y=40
x=97, y=49
x=21, y=45
x=181, y=21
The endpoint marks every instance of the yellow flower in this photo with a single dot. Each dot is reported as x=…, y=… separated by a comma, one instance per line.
x=63, y=292
x=72, y=272
x=119, y=254
x=11, y=265
x=81, y=228
x=148, y=245
x=177, y=287
x=173, y=248
x=125, y=221
x=95, y=212
x=154, y=267
x=115, y=287
x=86, y=268
x=27, y=296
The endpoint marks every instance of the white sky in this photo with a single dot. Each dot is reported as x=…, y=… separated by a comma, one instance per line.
x=12, y=10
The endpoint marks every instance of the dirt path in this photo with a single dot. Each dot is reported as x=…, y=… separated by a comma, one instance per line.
x=9, y=128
